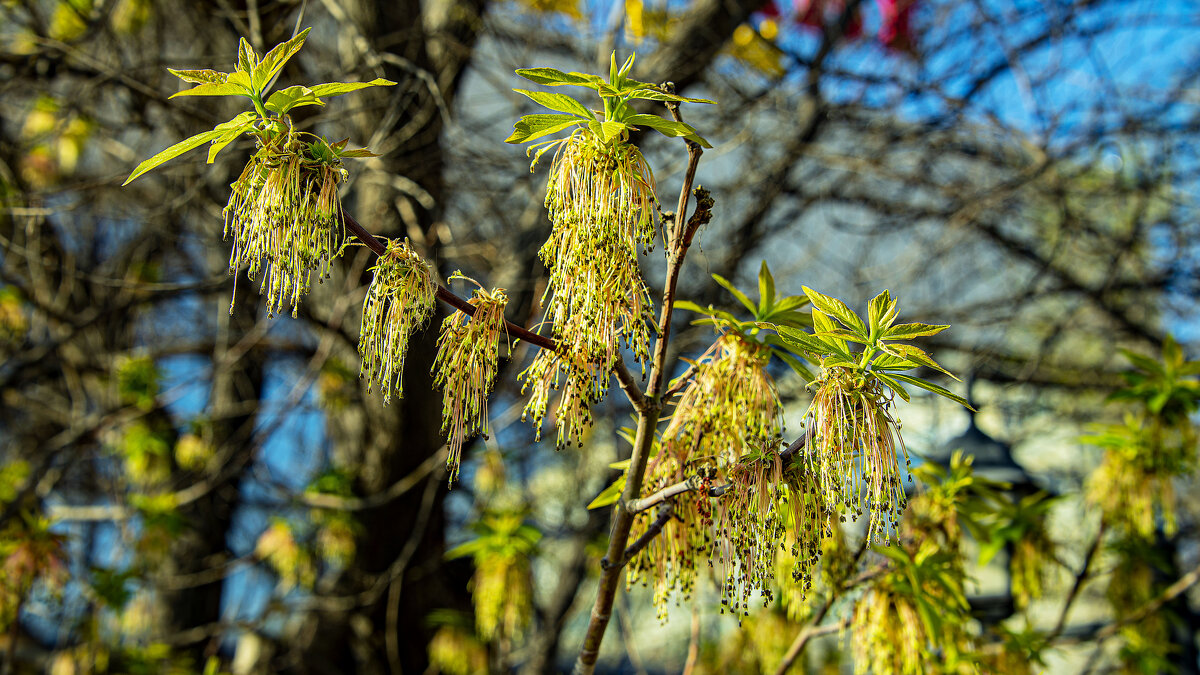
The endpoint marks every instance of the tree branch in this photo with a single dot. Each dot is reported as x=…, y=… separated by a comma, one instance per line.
x=444, y=294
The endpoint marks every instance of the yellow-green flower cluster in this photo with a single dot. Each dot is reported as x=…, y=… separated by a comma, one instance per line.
x=669, y=561
x=466, y=364
x=731, y=407
x=726, y=428
x=1135, y=482
x=889, y=636
x=852, y=448
x=284, y=218
x=455, y=650
x=600, y=199
x=503, y=593
x=400, y=299
x=762, y=510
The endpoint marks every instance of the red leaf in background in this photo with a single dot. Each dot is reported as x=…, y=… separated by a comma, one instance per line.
x=770, y=10
x=854, y=29
x=811, y=13
x=895, y=28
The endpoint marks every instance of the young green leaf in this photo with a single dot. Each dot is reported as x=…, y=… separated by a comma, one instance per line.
x=559, y=102
x=929, y=386
x=893, y=385
x=766, y=290
x=532, y=127
x=247, y=57
x=795, y=364
x=284, y=100
x=800, y=340
x=914, y=354
x=651, y=94
x=881, y=311
x=742, y=297
x=328, y=89
x=266, y=70
x=823, y=324
x=200, y=76
x=357, y=152
x=233, y=128
x=609, y=495
x=837, y=309
x=556, y=78
x=610, y=131
x=884, y=361
x=173, y=152
x=214, y=89
x=908, y=331
x=668, y=128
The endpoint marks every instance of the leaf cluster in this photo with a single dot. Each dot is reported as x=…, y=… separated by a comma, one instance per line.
x=252, y=79
x=771, y=308
x=884, y=352
x=616, y=120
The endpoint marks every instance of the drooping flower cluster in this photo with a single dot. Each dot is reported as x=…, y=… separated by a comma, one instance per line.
x=502, y=587
x=727, y=428
x=767, y=511
x=731, y=405
x=284, y=217
x=600, y=199
x=465, y=368
x=400, y=299
x=852, y=448
x=670, y=560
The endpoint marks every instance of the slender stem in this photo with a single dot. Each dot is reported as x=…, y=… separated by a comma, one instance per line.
x=614, y=562
x=679, y=383
x=1080, y=580
x=629, y=386
x=638, y=505
x=444, y=294
x=1181, y=585
x=693, y=483
x=665, y=514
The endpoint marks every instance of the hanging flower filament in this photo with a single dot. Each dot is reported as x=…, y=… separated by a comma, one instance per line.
x=600, y=199
x=465, y=368
x=399, y=300
x=284, y=216
x=731, y=403
x=852, y=448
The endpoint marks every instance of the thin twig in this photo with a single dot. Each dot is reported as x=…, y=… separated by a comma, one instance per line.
x=1173, y=591
x=693, y=483
x=1080, y=580
x=638, y=505
x=813, y=628
x=444, y=294
x=664, y=516
x=679, y=383
x=629, y=385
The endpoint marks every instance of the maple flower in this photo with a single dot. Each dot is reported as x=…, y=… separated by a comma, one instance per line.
x=763, y=510
x=284, y=218
x=600, y=199
x=731, y=402
x=400, y=299
x=852, y=442
x=465, y=367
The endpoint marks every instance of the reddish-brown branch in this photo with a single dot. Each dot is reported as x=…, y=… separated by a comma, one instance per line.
x=444, y=294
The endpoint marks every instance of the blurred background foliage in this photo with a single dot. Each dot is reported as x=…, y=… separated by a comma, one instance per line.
x=186, y=491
